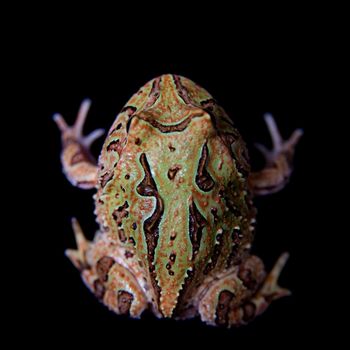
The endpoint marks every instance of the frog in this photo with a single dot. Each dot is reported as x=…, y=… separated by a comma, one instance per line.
x=174, y=205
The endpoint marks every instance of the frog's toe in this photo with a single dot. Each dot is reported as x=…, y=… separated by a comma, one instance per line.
x=279, y=145
x=279, y=161
x=81, y=118
x=78, y=164
x=89, y=139
x=75, y=132
x=78, y=256
x=61, y=123
x=271, y=290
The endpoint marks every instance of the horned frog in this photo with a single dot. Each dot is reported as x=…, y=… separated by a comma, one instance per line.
x=174, y=207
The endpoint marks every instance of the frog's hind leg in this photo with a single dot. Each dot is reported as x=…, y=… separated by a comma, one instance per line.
x=238, y=297
x=101, y=266
x=278, y=168
x=78, y=164
x=78, y=256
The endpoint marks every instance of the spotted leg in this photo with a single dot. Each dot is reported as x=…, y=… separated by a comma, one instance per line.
x=111, y=272
x=78, y=164
x=239, y=296
x=278, y=168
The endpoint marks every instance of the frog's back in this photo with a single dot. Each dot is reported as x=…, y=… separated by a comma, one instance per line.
x=173, y=187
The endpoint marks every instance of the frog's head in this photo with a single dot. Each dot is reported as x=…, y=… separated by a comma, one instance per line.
x=172, y=94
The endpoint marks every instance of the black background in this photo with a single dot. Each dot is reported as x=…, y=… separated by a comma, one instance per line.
x=282, y=86
x=285, y=59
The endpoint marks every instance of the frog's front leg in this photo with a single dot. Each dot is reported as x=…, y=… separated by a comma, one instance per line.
x=78, y=164
x=278, y=168
x=105, y=272
x=239, y=296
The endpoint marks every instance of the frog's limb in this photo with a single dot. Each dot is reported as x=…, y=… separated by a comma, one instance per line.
x=278, y=168
x=238, y=297
x=116, y=287
x=78, y=256
x=105, y=272
x=78, y=164
x=123, y=294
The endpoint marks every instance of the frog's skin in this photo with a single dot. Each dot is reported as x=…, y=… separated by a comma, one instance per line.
x=174, y=207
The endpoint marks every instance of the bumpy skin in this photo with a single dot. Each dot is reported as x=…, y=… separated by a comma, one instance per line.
x=174, y=205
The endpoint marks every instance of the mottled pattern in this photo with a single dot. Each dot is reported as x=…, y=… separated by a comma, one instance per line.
x=174, y=205
x=179, y=190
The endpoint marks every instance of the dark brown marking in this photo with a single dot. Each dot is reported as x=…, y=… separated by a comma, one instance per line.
x=99, y=289
x=171, y=148
x=203, y=179
x=223, y=308
x=128, y=124
x=173, y=171
x=127, y=177
x=103, y=266
x=215, y=255
x=83, y=265
x=105, y=178
x=125, y=300
x=132, y=241
x=249, y=311
x=169, y=128
x=80, y=156
x=154, y=94
x=209, y=104
x=182, y=91
x=236, y=243
x=236, y=233
x=214, y=211
x=137, y=141
x=241, y=156
x=121, y=234
x=247, y=277
x=115, y=146
x=128, y=254
x=134, y=226
x=196, y=222
x=119, y=126
x=148, y=187
x=170, y=264
x=121, y=213
x=130, y=110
